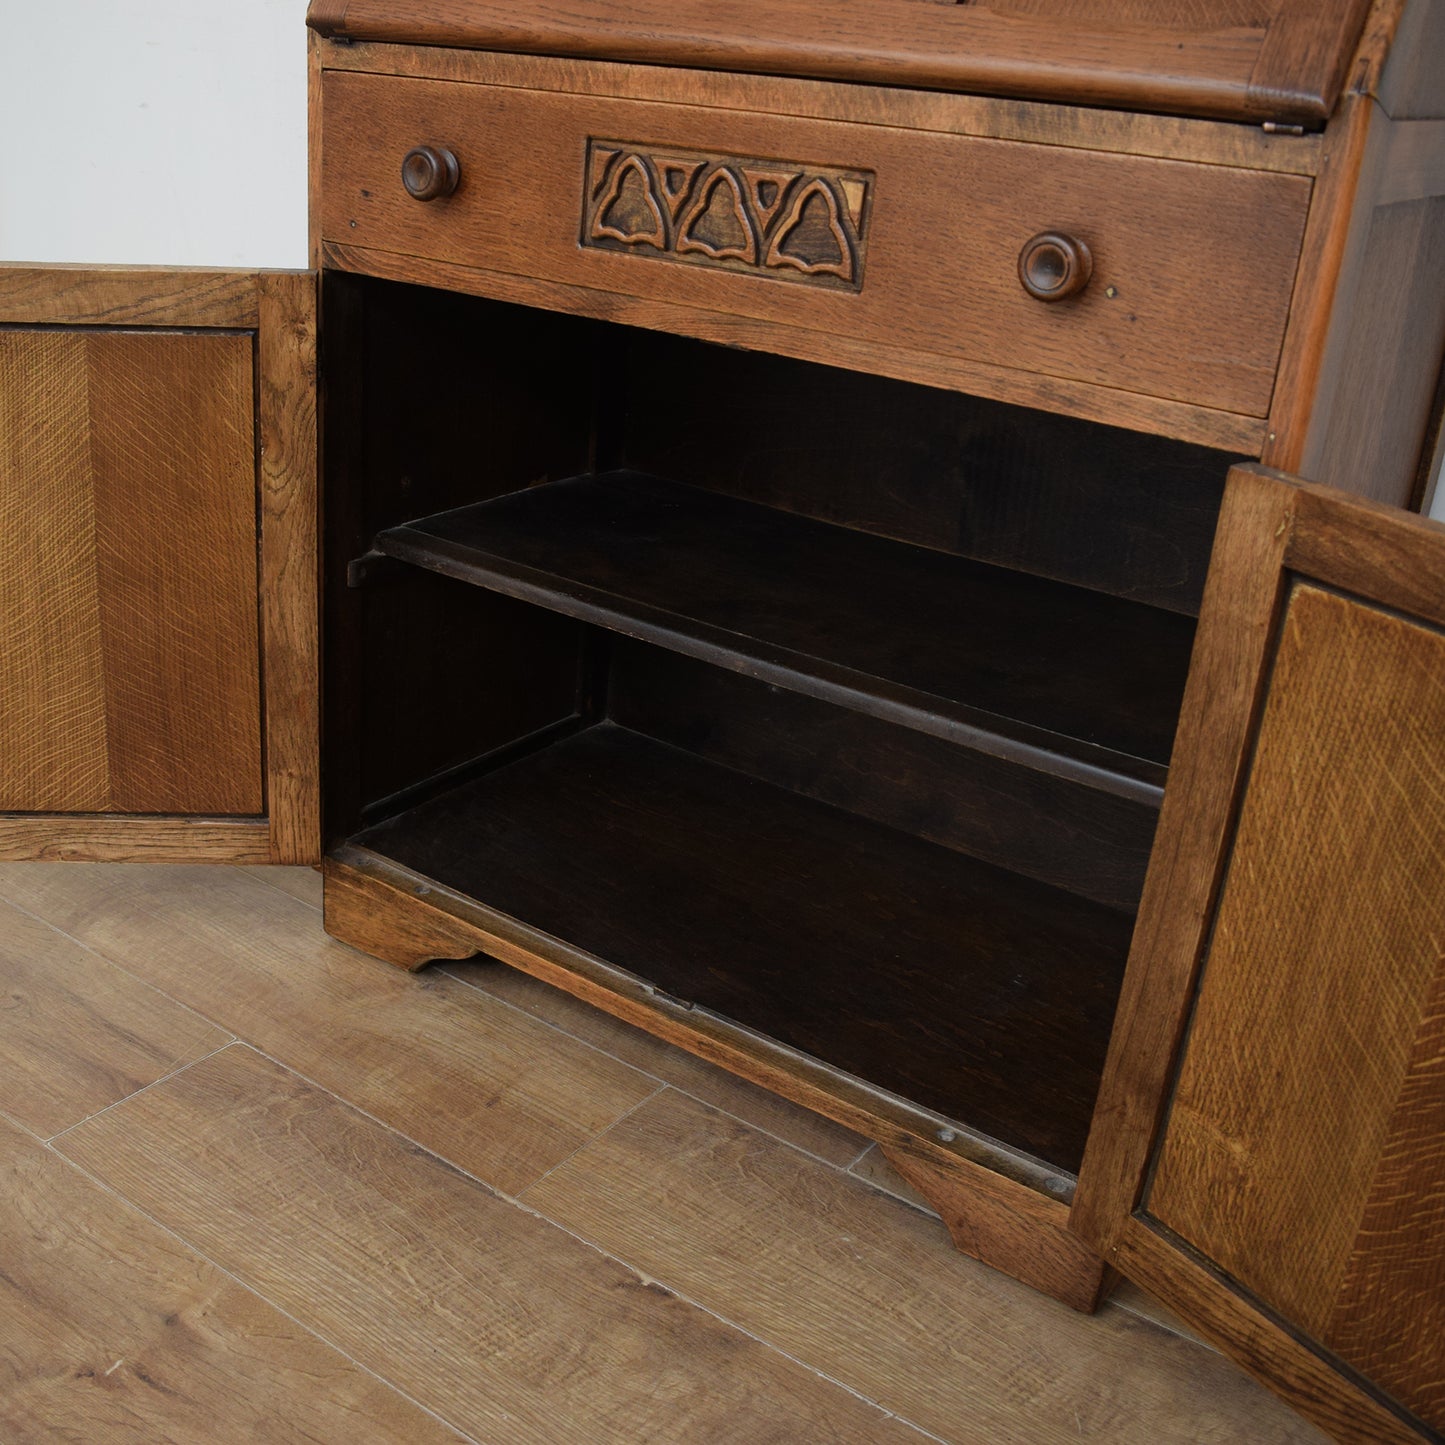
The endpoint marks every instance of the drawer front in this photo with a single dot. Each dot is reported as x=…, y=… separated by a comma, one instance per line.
x=900, y=237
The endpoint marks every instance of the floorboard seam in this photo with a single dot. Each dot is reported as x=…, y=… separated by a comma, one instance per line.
x=29, y=1133
x=146, y=1088
x=95, y=952
x=632, y=1269
x=758, y=1339
x=884, y=1189
x=250, y=1289
x=252, y=871
x=587, y=1144
x=647, y=1073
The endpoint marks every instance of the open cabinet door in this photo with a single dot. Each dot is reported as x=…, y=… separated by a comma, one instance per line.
x=1268, y=1154
x=158, y=622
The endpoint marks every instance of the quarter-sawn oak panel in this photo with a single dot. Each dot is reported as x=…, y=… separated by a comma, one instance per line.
x=1335, y=879
x=130, y=668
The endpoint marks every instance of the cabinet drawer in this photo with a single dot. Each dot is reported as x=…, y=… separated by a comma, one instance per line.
x=900, y=238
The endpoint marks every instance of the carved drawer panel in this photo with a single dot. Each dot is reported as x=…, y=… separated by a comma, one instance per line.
x=899, y=238
x=788, y=222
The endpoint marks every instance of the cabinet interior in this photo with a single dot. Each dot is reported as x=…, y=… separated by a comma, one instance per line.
x=837, y=706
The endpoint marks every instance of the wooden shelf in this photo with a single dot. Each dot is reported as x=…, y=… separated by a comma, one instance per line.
x=1067, y=680
x=951, y=983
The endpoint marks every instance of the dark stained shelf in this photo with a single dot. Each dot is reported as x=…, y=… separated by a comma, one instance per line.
x=1064, y=679
x=951, y=983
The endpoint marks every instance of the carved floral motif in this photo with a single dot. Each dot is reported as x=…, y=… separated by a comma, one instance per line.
x=799, y=223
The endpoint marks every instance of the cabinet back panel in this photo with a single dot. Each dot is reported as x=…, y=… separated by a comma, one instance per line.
x=452, y=672
x=1117, y=511
x=433, y=400
x=467, y=399
x=1092, y=843
x=456, y=400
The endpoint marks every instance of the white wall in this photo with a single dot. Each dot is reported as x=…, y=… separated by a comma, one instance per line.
x=170, y=132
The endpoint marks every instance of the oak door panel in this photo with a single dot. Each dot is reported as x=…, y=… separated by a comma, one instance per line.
x=1275, y=1156
x=1322, y=988
x=130, y=662
x=52, y=675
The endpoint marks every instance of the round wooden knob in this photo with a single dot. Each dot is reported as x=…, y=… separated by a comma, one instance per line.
x=1053, y=266
x=430, y=172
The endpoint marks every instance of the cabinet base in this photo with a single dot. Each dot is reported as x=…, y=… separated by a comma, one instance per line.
x=1014, y=1234
x=374, y=918
x=1004, y=1209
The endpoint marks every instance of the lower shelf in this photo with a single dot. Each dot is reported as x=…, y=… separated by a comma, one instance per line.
x=954, y=984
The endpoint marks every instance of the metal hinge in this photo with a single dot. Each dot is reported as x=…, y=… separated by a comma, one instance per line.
x=1279, y=127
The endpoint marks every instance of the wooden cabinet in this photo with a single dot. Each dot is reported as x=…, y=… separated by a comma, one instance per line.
x=767, y=524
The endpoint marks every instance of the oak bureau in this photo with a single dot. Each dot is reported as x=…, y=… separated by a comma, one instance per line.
x=844, y=527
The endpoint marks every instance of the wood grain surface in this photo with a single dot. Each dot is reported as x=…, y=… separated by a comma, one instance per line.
x=1305, y=1169
x=1039, y=667
x=1123, y=1294
x=1370, y=549
x=1236, y=625
x=52, y=669
x=301, y=883
x=397, y=894
x=106, y=838
x=290, y=561
x=78, y=1033
x=1333, y=243
x=1390, y=1315
x=1305, y=53
x=173, y=455
x=993, y=1219
x=437, y=1060
x=1285, y=63
x=807, y=925
x=350, y=908
x=130, y=673
x=546, y=1341
x=1087, y=128
x=733, y=1219
x=1334, y=878
x=935, y=281
x=761, y=1108
x=986, y=1344
x=115, y=1330
x=1270, y=1351
x=126, y=296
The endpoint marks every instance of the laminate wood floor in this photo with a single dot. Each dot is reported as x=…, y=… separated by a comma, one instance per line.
x=257, y=1187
